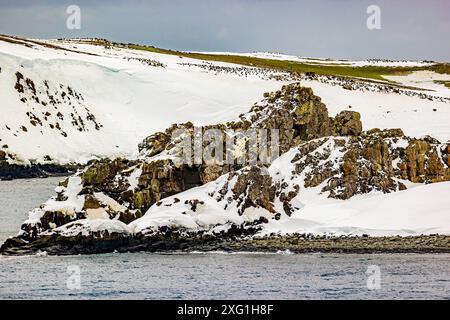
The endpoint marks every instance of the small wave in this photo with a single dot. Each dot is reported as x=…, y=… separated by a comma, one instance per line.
x=221, y=252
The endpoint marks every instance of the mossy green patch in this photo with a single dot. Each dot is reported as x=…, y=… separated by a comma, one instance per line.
x=445, y=83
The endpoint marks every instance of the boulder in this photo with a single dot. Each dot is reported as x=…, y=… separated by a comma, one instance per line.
x=347, y=123
x=100, y=172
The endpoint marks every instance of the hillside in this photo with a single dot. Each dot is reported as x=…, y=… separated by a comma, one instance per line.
x=122, y=99
x=121, y=94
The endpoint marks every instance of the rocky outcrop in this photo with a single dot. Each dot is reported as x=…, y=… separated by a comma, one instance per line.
x=332, y=155
x=372, y=161
x=295, y=111
x=236, y=240
x=446, y=154
x=251, y=187
x=424, y=163
x=347, y=123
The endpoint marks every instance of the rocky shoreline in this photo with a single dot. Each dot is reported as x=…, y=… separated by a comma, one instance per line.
x=348, y=244
x=16, y=171
x=54, y=245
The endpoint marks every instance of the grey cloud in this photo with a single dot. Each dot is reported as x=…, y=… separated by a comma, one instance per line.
x=411, y=29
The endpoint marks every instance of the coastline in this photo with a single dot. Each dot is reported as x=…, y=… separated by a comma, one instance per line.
x=15, y=171
x=57, y=245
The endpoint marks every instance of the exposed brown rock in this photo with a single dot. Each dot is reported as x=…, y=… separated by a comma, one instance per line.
x=101, y=171
x=423, y=164
x=90, y=202
x=347, y=123
x=446, y=154
x=254, y=189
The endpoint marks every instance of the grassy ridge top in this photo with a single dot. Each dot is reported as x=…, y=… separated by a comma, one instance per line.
x=369, y=72
x=445, y=83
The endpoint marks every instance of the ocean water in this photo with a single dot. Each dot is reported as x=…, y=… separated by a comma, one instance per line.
x=207, y=275
x=18, y=197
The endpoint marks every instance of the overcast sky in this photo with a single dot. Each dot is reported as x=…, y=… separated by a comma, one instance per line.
x=410, y=29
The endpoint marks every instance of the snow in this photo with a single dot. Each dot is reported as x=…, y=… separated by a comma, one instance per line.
x=86, y=227
x=327, y=61
x=419, y=210
x=133, y=179
x=109, y=202
x=70, y=206
x=94, y=214
x=177, y=213
x=424, y=79
x=416, y=117
x=416, y=211
x=131, y=100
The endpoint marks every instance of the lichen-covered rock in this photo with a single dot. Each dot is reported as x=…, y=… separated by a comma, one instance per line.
x=212, y=172
x=154, y=144
x=160, y=141
x=295, y=111
x=424, y=162
x=347, y=123
x=365, y=167
x=311, y=116
x=103, y=171
x=386, y=133
x=91, y=202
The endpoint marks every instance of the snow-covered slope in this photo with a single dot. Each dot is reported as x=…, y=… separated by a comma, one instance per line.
x=422, y=209
x=129, y=98
x=322, y=61
x=130, y=94
x=417, y=117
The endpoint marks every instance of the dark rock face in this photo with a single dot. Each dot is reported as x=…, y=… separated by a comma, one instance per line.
x=234, y=241
x=446, y=154
x=166, y=239
x=162, y=179
x=57, y=245
x=252, y=189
